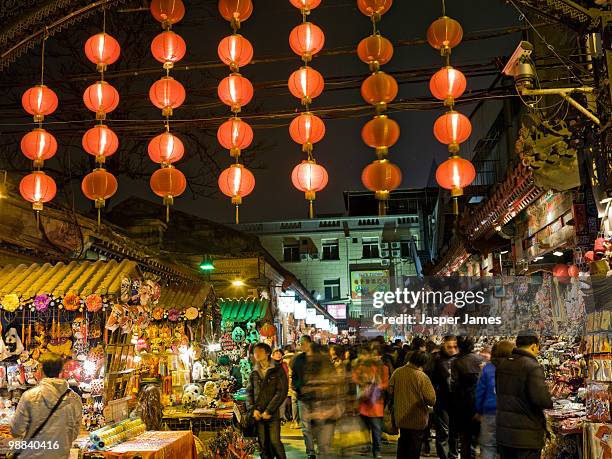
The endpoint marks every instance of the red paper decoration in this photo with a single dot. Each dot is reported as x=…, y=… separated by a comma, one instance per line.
x=235, y=11
x=375, y=51
x=167, y=12
x=306, y=83
x=39, y=101
x=38, y=145
x=101, y=98
x=306, y=40
x=235, y=51
x=101, y=142
x=444, y=34
x=309, y=177
x=99, y=186
x=374, y=8
x=166, y=148
x=102, y=50
x=452, y=129
x=455, y=174
x=447, y=84
x=168, y=183
x=307, y=129
x=268, y=330
x=235, y=91
x=167, y=94
x=380, y=133
x=37, y=188
x=382, y=177
x=236, y=182
x=573, y=271
x=561, y=270
x=168, y=48
x=305, y=5
x=235, y=135
x=379, y=89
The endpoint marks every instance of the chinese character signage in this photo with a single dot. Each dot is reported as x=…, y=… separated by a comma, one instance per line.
x=365, y=283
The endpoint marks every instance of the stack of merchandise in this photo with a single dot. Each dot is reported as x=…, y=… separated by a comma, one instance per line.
x=114, y=434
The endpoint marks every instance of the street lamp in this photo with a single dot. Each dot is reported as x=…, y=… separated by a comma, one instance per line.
x=238, y=283
x=207, y=264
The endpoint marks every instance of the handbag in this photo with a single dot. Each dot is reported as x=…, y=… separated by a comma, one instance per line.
x=16, y=454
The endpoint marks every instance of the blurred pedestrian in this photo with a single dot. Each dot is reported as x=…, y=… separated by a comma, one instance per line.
x=295, y=414
x=278, y=356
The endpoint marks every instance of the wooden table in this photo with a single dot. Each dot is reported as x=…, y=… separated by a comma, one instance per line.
x=156, y=445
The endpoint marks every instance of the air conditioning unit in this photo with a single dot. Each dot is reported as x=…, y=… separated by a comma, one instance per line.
x=395, y=245
x=385, y=262
x=396, y=253
x=384, y=245
x=384, y=253
x=303, y=257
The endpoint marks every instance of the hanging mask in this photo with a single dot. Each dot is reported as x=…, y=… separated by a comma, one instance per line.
x=238, y=335
x=251, y=325
x=252, y=337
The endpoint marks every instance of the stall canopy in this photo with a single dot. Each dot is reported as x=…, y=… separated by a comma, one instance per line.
x=243, y=309
x=183, y=297
x=81, y=278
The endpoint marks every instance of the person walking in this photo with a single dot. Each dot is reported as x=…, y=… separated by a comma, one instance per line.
x=295, y=414
x=411, y=394
x=278, y=356
x=486, y=399
x=447, y=439
x=49, y=414
x=522, y=397
x=371, y=375
x=266, y=392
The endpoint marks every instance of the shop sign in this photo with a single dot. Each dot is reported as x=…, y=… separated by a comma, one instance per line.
x=235, y=268
x=311, y=316
x=365, y=283
x=286, y=304
x=337, y=311
x=300, y=310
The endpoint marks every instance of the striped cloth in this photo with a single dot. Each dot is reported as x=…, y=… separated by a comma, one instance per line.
x=412, y=394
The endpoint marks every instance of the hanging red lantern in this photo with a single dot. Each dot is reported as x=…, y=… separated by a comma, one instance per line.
x=379, y=89
x=382, y=177
x=235, y=11
x=374, y=8
x=167, y=12
x=99, y=186
x=375, y=51
x=452, y=129
x=455, y=174
x=309, y=177
x=37, y=188
x=235, y=51
x=101, y=98
x=573, y=271
x=447, y=84
x=168, y=48
x=166, y=148
x=168, y=183
x=236, y=182
x=307, y=129
x=102, y=50
x=305, y=5
x=381, y=133
x=39, y=101
x=167, y=94
x=235, y=135
x=306, y=83
x=560, y=271
x=235, y=91
x=306, y=40
x=268, y=330
x=444, y=34
x=101, y=142
x=38, y=145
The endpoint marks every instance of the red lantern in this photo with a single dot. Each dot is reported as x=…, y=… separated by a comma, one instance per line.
x=102, y=50
x=306, y=40
x=167, y=94
x=37, y=188
x=573, y=271
x=455, y=174
x=235, y=135
x=589, y=256
x=380, y=133
x=166, y=148
x=39, y=101
x=447, y=84
x=305, y=5
x=236, y=11
x=168, y=48
x=306, y=84
x=168, y=183
x=235, y=91
x=374, y=8
x=444, y=34
x=268, y=330
x=382, y=177
x=101, y=142
x=99, y=186
x=235, y=51
x=375, y=51
x=101, y=98
x=167, y=12
x=452, y=129
x=307, y=129
x=379, y=89
x=309, y=177
x=38, y=145
x=236, y=182
x=560, y=271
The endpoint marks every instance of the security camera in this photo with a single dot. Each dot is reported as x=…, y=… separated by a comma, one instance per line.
x=520, y=67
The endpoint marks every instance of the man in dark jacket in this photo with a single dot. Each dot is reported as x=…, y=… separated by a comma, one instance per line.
x=522, y=395
x=465, y=370
x=447, y=439
x=267, y=391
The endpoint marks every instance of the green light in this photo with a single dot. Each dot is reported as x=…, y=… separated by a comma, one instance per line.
x=207, y=265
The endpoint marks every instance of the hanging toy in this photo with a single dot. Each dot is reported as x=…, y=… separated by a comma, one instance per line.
x=238, y=335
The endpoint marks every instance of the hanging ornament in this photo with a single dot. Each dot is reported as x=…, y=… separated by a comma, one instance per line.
x=37, y=188
x=38, y=145
x=306, y=40
x=100, y=141
x=307, y=129
x=235, y=11
x=452, y=129
x=444, y=34
x=168, y=183
x=236, y=182
x=167, y=94
x=98, y=186
x=101, y=98
x=375, y=51
x=306, y=84
x=102, y=50
x=168, y=12
x=235, y=135
x=235, y=91
x=166, y=148
x=382, y=177
x=235, y=51
x=374, y=8
x=168, y=48
x=455, y=174
x=380, y=133
x=309, y=177
x=379, y=89
x=447, y=84
x=305, y=5
x=39, y=101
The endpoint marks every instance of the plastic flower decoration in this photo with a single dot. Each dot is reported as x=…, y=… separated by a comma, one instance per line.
x=41, y=302
x=93, y=302
x=158, y=313
x=10, y=302
x=173, y=314
x=72, y=302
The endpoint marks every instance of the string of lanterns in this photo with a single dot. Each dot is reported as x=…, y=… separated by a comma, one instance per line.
x=167, y=94
x=235, y=91
x=101, y=98
x=379, y=89
x=452, y=128
x=39, y=145
x=306, y=83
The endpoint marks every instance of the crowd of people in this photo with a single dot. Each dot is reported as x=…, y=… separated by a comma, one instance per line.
x=491, y=400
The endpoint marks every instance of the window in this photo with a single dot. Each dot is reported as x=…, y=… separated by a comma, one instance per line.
x=405, y=249
x=370, y=247
x=330, y=249
x=332, y=289
x=291, y=252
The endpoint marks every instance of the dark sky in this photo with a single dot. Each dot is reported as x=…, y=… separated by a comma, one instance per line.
x=342, y=151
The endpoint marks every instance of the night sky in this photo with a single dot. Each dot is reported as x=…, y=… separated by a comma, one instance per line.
x=342, y=151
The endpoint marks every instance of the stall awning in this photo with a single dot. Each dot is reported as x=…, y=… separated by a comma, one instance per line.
x=183, y=297
x=81, y=278
x=243, y=309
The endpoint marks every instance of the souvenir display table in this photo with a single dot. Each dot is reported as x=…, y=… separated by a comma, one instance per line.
x=156, y=445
